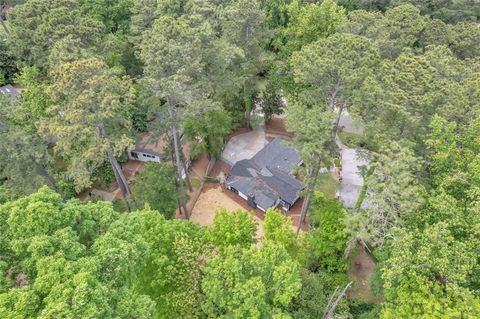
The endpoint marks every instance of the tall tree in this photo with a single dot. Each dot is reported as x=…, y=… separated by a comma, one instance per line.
x=171, y=273
x=335, y=67
x=38, y=24
x=156, y=187
x=179, y=42
x=425, y=275
x=466, y=40
x=25, y=161
x=398, y=101
x=453, y=155
x=244, y=28
x=394, y=193
x=311, y=122
x=206, y=123
x=8, y=67
x=115, y=15
x=328, y=72
x=328, y=238
x=232, y=229
x=89, y=119
x=69, y=259
x=310, y=22
x=256, y=283
x=446, y=10
x=279, y=230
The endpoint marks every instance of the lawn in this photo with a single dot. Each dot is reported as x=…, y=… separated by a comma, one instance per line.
x=195, y=182
x=328, y=185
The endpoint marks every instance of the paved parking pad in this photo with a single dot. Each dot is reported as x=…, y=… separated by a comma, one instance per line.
x=244, y=146
x=352, y=181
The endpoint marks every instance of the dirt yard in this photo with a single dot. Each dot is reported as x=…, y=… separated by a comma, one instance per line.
x=361, y=267
x=213, y=199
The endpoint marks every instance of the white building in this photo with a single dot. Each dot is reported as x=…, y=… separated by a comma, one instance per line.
x=152, y=149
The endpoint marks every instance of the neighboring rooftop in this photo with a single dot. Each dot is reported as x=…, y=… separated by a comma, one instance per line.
x=8, y=89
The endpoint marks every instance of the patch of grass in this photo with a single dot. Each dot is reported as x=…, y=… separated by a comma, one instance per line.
x=353, y=140
x=361, y=196
x=196, y=183
x=337, y=163
x=366, y=286
x=328, y=185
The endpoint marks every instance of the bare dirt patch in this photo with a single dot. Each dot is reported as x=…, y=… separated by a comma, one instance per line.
x=361, y=268
x=213, y=199
x=276, y=127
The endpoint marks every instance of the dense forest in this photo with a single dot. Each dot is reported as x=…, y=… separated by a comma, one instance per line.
x=94, y=75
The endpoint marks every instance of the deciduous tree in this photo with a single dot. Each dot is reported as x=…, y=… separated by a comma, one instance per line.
x=236, y=228
x=156, y=187
x=257, y=283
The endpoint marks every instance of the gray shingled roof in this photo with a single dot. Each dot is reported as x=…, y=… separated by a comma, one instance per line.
x=10, y=90
x=277, y=154
x=266, y=176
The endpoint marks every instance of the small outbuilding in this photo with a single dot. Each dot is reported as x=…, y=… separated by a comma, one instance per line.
x=154, y=149
x=9, y=90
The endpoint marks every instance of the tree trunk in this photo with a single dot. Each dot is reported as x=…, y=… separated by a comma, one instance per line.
x=333, y=104
x=185, y=169
x=117, y=170
x=310, y=188
x=119, y=176
x=248, y=106
x=332, y=304
x=340, y=111
x=48, y=178
x=303, y=213
x=248, y=112
x=178, y=161
x=3, y=24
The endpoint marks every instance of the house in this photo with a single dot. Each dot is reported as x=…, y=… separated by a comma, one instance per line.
x=152, y=149
x=149, y=149
x=266, y=179
x=9, y=90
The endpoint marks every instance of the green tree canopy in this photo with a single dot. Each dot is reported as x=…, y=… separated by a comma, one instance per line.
x=232, y=229
x=68, y=259
x=115, y=15
x=90, y=118
x=156, y=186
x=310, y=22
x=328, y=237
x=37, y=25
x=425, y=275
x=250, y=283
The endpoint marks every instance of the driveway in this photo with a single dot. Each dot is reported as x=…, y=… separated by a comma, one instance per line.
x=352, y=181
x=244, y=146
x=349, y=124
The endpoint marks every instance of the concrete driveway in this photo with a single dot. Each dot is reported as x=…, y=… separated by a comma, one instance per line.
x=349, y=124
x=352, y=181
x=244, y=146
